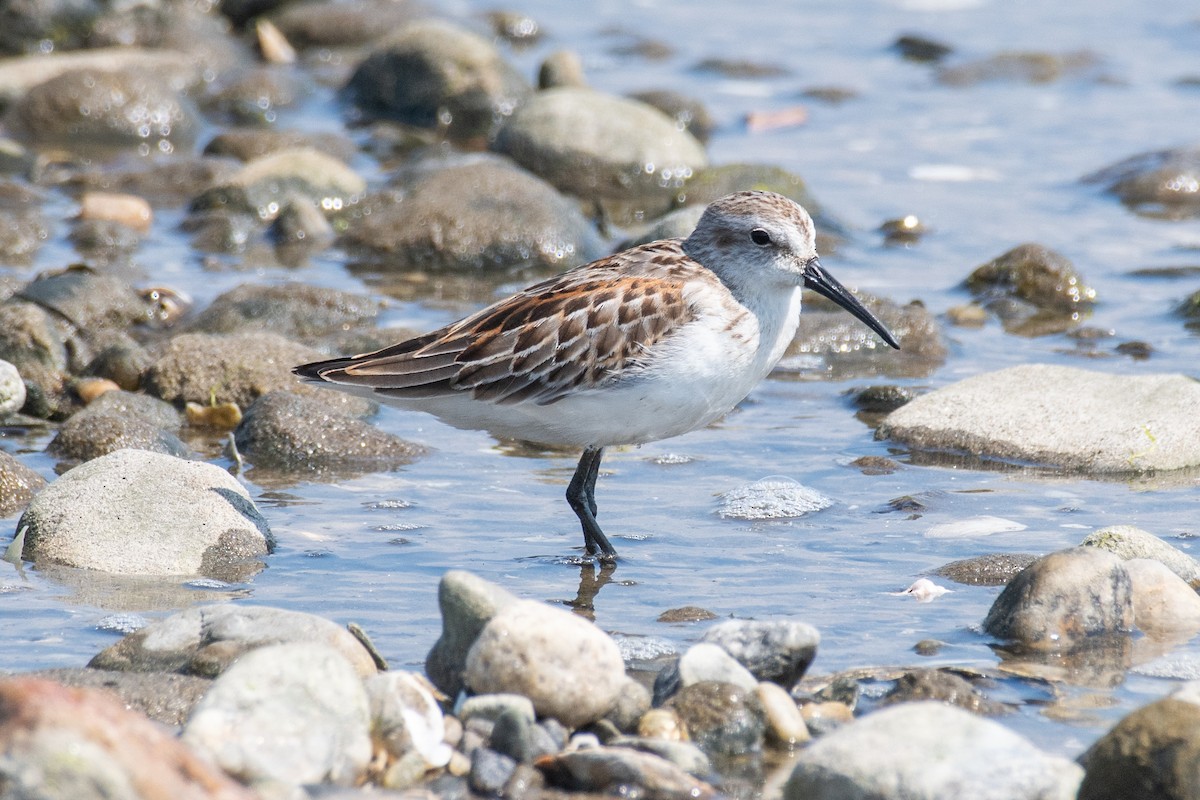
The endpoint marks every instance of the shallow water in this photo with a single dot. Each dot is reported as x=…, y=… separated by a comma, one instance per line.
x=986, y=167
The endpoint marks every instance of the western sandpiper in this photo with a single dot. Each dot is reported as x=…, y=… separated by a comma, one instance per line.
x=643, y=345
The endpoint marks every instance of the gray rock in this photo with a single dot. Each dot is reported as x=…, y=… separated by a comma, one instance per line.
x=297, y=311
x=779, y=651
x=406, y=718
x=685, y=755
x=160, y=181
x=12, y=390
x=592, y=144
x=124, y=107
x=490, y=771
x=293, y=713
x=633, y=701
x=723, y=720
x=689, y=113
x=928, y=751
x=1067, y=417
x=136, y=512
x=288, y=433
x=149, y=409
x=434, y=74
x=467, y=603
x=701, y=662
x=1152, y=752
x=491, y=706
x=248, y=144
x=264, y=186
x=83, y=744
x=31, y=342
x=771, y=498
x=1033, y=290
x=621, y=770
x=512, y=736
x=338, y=23
x=87, y=436
x=478, y=214
x=1156, y=183
x=18, y=484
x=1031, y=67
x=164, y=697
x=1064, y=599
x=19, y=75
x=237, y=368
x=568, y=667
x=1163, y=605
x=252, y=94
x=678, y=224
x=301, y=227
x=22, y=233
x=944, y=686
x=206, y=640
x=123, y=363
x=991, y=569
x=1126, y=542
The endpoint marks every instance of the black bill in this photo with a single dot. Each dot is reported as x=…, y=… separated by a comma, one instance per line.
x=823, y=283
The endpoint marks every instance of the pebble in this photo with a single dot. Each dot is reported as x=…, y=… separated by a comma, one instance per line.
x=568, y=667
x=491, y=706
x=1153, y=181
x=928, y=751
x=1063, y=600
x=785, y=723
x=490, y=771
x=127, y=209
x=779, y=651
x=723, y=720
x=1067, y=417
x=105, y=513
x=662, y=723
x=293, y=713
x=823, y=717
x=623, y=771
x=12, y=390
x=685, y=755
x=701, y=662
x=467, y=602
x=991, y=569
x=944, y=686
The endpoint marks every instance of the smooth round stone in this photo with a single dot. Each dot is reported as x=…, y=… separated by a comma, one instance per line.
x=136, y=512
x=633, y=701
x=1156, y=183
x=623, y=771
x=685, y=755
x=701, y=662
x=87, y=436
x=1062, y=599
x=1127, y=541
x=723, y=720
x=296, y=310
x=928, y=751
x=293, y=713
x=467, y=603
x=491, y=706
x=779, y=651
x=490, y=771
x=568, y=667
x=1034, y=274
x=265, y=185
x=785, y=724
x=12, y=390
x=1163, y=605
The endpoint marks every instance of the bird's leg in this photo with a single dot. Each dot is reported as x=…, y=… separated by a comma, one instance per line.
x=581, y=494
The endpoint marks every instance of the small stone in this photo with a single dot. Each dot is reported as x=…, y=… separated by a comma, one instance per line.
x=127, y=209
x=633, y=700
x=916, y=47
x=771, y=498
x=491, y=706
x=18, y=484
x=623, y=771
x=662, y=723
x=785, y=723
x=686, y=614
x=490, y=771
x=945, y=687
x=561, y=68
x=701, y=662
x=821, y=718
x=512, y=736
x=992, y=569
x=467, y=604
x=723, y=720
x=779, y=651
x=967, y=315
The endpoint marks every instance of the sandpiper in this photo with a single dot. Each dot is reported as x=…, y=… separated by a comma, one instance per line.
x=649, y=343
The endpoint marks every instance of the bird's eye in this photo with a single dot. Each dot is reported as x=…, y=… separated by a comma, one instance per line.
x=760, y=237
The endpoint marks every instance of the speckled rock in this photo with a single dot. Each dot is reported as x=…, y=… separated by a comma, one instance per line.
x=112, y=750
x=263, y=186
x=482, y=213
x=591, y=144
x=1020, y=67
x=165, y=697
x=723, y=720
x=87, y=436
x=432, y=73
x=928, y=751
x=1032, y=289
x=1126, y=542
x=773, y=650
x=18, y=484
x=297, y=311
x=205, y=640
x=991, y=569
x=1064, y=600
x=467, y=603
x=292, y=713
x=944, y=686
x=568, y=667
x=1073, y=418
x=136, y=512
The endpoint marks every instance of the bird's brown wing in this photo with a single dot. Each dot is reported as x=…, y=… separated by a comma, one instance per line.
x=578, y=329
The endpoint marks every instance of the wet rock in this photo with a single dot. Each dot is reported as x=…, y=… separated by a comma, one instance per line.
x=621, y=770
x=12, y=390
x=1161, y=183
x=18, y=484
x=678, y=224
x=136, y=512
x=569, y=668
x=297, y=311
x=302, y=227
x=406, y=718
x=104, y=243
x=1128, y=542
x=262, y=187
x=165, y=697
x=1029, y=287
x=785, y=723
x=1072, y=418
x=250, y=144
x=338, y=24
x=561, y=68
x=701, y=662
x=467, y=602
x=434, y=74
x=916, y=47
x=1063, y=600
x=685, y=614
x=19, y=75
x=779, y=651
x=512, y=736
x=237, y=368
x=595, y=145
x=881, y=398
x=111, y=749
x=689, y=114
x=490, y=771
x=162, y=182
x=685, y=755
x=205, y=640
x=825, y=717
x=251, y=95
x=139, y=406
x=1163, y=605
x=1152, y=752
x=293, y=713
x=944, y=686
x=22, y=233
x=920, y=751
x=991, y=569
x=771, y=498
x=482, y=213
x=1020, y=67
x=99, y=107
x=31, y=342
x=87, y=436
x=723, y=720
x=285, y=432
x=831, y=343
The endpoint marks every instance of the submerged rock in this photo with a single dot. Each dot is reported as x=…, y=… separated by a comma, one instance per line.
x=1081, y=420
x=1033, y=290
x=992, y=569
x=18, y=484
x=1161, y=183
x=1128, y=542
